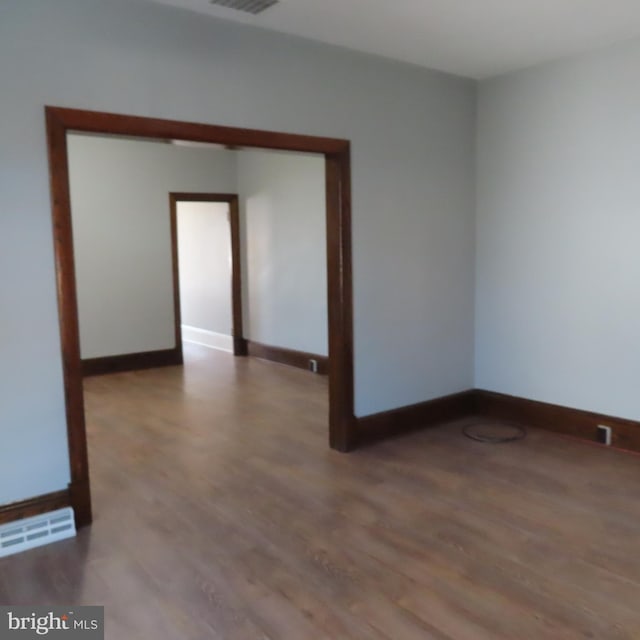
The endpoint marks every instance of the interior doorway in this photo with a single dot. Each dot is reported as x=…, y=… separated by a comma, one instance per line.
x=204, y=274
x=60, y=121
x=211, y=308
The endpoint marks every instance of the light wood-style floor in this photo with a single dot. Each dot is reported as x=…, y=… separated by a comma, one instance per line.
x=221, y=513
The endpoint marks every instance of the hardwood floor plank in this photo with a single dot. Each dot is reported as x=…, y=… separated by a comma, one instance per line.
x=220, y=513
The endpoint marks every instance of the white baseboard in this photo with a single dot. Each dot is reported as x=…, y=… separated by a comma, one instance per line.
x=206, y=338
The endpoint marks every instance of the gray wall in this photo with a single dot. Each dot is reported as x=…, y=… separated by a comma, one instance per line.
x=413, y=175
x=122, y=239
x=122, y=244
x=558, y=265
x=283, y=210
x=204, y=252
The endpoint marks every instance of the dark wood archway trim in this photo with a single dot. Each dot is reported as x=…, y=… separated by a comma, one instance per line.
x=239, y=342
x=342, y=433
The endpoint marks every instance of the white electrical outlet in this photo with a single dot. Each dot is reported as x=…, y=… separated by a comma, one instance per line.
x=313, y=365
x=604, y=434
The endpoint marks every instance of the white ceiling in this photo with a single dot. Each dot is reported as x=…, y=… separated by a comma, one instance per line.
x=473, y=38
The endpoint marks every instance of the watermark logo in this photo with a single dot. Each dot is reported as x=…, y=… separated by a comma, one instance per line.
x=21, y=623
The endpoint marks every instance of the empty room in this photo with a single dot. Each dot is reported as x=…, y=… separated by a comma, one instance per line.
x=467, y=468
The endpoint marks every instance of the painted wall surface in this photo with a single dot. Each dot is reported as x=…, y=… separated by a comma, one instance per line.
x=122, y=240
x=558, y=264
x=204, y=252
x=283, y=210
x=412, y=134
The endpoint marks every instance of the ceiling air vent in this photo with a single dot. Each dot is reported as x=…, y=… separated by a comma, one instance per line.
x=249, y=6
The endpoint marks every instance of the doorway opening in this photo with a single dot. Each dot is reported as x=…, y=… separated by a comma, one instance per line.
x=197, y=221
x=60, y=121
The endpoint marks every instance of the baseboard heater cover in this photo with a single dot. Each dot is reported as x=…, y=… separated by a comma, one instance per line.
x=36, y=531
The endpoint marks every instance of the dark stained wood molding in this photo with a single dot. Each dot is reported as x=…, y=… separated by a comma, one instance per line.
x=342, y=430
x=491, y=405
x=80, y=496
x=144, y=127
x=240, y=347
x=132, y=362
x=59, y=121
x=68, y=307
x=403, y=420
x=291, y=357
x=35, y=506
x=236, y=275
x=557, y=418
x=175, y=276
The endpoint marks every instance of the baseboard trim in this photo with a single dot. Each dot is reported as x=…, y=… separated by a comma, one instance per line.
x=35, y=506
x=293, y=358
x=387, y=424
x=132, y=361
x=557, y=418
